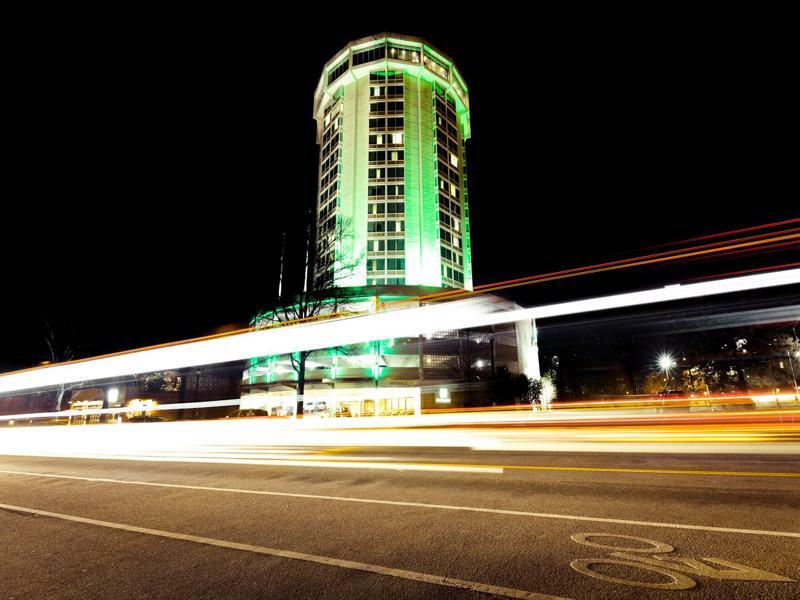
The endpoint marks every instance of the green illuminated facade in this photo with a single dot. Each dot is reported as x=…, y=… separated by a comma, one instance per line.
x=392, y=118
x=392, y=224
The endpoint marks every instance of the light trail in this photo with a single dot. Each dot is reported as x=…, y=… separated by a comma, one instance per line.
x=121, y=410
x=790, y=265
x=308, y=442
x=728, y=233
x=761, y=250
x=717, y=248
x=409, y=322
x=452, y=294
x=632, y=409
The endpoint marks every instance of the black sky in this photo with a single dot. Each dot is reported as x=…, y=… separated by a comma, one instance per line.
x=153, y=171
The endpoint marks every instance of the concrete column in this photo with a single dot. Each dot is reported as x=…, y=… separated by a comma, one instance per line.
x=528, y=348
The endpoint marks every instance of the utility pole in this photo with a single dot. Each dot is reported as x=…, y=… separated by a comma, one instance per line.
x=283, y=262
x=308, y=251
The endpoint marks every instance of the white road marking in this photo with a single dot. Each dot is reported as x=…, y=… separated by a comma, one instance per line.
x=661, y=562
x=679, y=581
x=323, y=560
x=498, y=511
x=734, y=572
x=658, y=547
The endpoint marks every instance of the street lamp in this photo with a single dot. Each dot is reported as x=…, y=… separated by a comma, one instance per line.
x=666, y=362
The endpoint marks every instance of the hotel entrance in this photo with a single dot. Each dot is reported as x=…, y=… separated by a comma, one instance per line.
x=382, y=402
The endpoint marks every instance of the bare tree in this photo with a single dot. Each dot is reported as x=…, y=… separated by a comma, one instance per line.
x=59, y=353
x=327, y=261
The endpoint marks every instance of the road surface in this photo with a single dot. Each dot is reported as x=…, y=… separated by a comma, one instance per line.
x=446, y=523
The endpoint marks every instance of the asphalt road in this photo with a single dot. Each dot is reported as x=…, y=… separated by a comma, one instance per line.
x=480, y=525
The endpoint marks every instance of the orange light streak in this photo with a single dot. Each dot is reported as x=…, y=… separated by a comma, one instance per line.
x=756, y=241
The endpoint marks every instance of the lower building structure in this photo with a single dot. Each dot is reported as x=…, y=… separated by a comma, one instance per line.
x=399, y=376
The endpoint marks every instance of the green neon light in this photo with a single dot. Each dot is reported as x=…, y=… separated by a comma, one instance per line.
x=417, y=70
x=422, y=197
x=466, y=235
x=423, y=262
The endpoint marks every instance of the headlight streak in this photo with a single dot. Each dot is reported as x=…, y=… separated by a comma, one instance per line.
x=634, y=261
x=359, y=329
x=335, y=443
x=121, y=410
x=630, y=408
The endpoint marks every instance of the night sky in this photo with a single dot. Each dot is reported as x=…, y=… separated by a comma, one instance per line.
x=153, y=172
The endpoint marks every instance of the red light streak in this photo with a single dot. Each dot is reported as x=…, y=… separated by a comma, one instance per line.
x=727, y=233
x=746, y=271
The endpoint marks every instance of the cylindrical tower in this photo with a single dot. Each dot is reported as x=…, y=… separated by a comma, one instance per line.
x=392, y=118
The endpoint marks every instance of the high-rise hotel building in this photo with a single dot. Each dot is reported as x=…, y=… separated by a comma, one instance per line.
x=392, y=118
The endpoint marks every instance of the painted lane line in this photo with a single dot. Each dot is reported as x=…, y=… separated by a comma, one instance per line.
x=290, y=554
x=651, y=471
x=497, y=511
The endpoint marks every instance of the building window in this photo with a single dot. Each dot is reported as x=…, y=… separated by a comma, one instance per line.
x=337, y=71
x=400, y=53
x=368, y=55
x=395, y=190
x=376, y=264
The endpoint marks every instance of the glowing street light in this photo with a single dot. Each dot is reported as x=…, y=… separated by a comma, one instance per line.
x=666, y=362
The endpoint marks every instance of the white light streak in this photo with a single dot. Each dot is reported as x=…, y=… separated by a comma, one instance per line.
x=358, y=329
x=134, y=408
